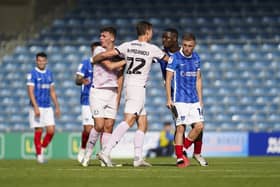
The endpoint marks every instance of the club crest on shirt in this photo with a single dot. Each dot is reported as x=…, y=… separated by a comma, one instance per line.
x=170, y=60
x=182, y=118
x=96, y=112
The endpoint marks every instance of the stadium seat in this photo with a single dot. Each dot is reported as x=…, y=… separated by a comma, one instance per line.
x=238, y=43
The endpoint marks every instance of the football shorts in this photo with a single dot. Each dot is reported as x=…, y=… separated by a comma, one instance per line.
x=87, y=118
x=103, y=102
x=46, y=117
x=188, y=113
x=135, y=100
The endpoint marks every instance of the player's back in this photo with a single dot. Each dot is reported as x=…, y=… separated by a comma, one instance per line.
x=139, y=56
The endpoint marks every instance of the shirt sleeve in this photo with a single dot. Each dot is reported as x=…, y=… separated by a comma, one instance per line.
x=30, y=79
x=122, y=48
x=158, y=53
x=171, y=65
x=51, y=80
x=98, y=50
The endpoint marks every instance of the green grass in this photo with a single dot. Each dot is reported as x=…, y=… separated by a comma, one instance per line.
x=229, y=172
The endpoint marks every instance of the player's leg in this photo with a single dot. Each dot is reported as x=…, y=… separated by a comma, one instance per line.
x=87, y=122
x=197, y=150
x=37, y=142
x=116, y=136
x=47, y=119
x=35, y=123
x=50, y=130
x=97, y=107
x=93, y=137
x=195, y=116
x=182, y=160
x=142, y=123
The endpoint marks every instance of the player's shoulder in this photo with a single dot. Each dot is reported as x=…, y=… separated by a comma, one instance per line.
x=48, y=71
x=99, y=49
x=86, y=61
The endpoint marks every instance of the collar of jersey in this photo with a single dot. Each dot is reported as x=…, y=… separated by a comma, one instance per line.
x=41, y=71
x=181, y=52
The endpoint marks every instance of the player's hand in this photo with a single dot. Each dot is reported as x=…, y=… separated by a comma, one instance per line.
x=57, y=112
x=169, y=103
x=86, y=81
x=36, y=112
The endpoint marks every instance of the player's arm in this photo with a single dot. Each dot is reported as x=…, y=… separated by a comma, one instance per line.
x=30, y=90
x=199, y=87
x=120, y=86
x=165, y=58
x=113, y=65
x=55, y=100
x=104, y=55
x=79, y=80
x=169, y=75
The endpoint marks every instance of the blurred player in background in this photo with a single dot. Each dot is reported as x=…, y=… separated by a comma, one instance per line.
x=139, y=55
x=40, y=88
x=170, y=46
x=165, y=144
x=105, y=94
x=84, y=79
x=184, y=76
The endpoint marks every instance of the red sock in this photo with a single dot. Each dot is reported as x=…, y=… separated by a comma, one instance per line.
x=85, y=136
x=37, y=141
x=197, y=147
x=187, y=143
x=47, y=139
x=179, y=151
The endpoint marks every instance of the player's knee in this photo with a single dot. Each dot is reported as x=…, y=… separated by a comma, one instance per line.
x=199, y=127
x=180, y=129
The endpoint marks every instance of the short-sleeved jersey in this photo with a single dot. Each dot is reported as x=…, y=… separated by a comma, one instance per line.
x=139, y=57
x=42, y=80
x=103, y=78
x=85, y=70
x=185, y=75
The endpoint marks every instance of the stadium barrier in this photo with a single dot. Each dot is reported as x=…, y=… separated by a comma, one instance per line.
x=15, y=145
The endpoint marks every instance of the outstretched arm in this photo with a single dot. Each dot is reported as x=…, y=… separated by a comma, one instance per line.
x=104, y=55
x=113, y=65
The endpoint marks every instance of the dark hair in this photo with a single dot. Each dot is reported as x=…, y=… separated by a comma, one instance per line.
x=142, y=27
x=188, y=36
x=41, y=54
x=94, y=44
x=111, y=30
x=166, y=123
x=173, y=31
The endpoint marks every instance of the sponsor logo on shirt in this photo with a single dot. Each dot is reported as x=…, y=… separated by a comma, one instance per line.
x=188, y=74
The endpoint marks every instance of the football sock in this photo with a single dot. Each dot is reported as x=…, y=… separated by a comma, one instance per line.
x=37, y=141
x=179, y=151
x=116, y=137
x=198, y=144
x=187, y=143
x=47, y=139
x=93, y=136
x=138, y=144
x=105, y=138
x=197, y=147
x=85, y=136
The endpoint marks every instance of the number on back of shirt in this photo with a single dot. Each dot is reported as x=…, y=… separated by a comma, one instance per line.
x=135, y=65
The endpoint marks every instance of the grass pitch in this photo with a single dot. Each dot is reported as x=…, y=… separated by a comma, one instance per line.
x=228, y=172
